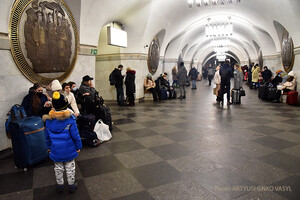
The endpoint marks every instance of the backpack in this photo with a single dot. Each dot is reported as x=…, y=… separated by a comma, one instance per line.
x=112, y=78
x=224, y=75
x=16, y=113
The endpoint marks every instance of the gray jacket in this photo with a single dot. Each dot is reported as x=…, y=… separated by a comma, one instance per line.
x=238, y=79
x=182, y=75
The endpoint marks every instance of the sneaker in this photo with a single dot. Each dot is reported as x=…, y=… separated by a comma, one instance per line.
x=183, y=96
x=60, y=188
x=229, y=103
x=73, y=188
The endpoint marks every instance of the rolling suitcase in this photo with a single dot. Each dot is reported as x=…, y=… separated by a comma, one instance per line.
x=292, y=98
x=236, y=97
x=28, y=141
x=263, y=92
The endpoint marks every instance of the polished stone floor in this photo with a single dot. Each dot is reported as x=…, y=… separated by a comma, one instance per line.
x=185, y=149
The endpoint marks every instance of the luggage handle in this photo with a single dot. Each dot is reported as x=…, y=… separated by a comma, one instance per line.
x=20, y=111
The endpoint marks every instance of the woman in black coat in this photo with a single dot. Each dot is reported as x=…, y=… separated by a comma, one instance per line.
x=130, y=85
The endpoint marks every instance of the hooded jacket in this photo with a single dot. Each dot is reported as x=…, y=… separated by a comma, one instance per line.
x=62, y=136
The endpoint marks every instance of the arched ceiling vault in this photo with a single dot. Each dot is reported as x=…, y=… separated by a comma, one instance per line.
x=143, y=19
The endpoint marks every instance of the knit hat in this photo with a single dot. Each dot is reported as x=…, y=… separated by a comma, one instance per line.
x=279, y=71
x=291, y=73
x=59, y=101
x=55, y=85
x=149, y=75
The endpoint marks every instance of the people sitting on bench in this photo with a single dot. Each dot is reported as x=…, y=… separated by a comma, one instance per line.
x=289, y=85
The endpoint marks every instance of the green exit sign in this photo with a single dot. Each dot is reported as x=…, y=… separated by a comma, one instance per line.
x=94, y=51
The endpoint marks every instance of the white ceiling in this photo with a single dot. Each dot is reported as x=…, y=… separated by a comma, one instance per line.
x=179, y=26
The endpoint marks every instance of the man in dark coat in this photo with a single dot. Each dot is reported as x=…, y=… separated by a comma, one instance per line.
x=130, y=86
x=88, y=93
x=193, y=74
x=226, y=73
x=266, y=74
x=182, y=75
x=119, y=84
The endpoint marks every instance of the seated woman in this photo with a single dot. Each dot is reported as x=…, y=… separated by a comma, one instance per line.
x=71, y=99
x=289, y=85
x=150, y=85
x=35, y=102
x=277, y=79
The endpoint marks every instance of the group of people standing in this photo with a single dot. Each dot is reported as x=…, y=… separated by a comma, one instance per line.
x=118, y=79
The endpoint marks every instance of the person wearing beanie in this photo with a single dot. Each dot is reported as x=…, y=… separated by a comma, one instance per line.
x=182, y=78
x=63, y=141
x=277, y=79
x=55, y=85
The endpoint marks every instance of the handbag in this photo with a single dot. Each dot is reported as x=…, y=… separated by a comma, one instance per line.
x=102, y=131
x=215, y=91
x=242, y=92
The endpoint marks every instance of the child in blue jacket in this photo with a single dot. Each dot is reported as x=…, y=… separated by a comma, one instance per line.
x=63, y=141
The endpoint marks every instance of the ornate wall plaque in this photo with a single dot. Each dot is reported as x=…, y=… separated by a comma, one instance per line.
x=287, y=51
x=153, y=56
x=44, y=39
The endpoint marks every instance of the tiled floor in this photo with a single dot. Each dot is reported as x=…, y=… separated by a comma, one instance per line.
x=185, y=149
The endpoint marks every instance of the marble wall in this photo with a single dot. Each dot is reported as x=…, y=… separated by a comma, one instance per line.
x=14, y=86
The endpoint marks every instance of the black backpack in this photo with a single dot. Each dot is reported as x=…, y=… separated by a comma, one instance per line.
x=224, y=75
x=112, y=78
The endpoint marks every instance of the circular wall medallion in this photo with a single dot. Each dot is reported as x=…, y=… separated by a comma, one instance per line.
x=287, y=51
x=44, y=39
x=153, y=56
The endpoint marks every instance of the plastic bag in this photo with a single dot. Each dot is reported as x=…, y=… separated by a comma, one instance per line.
x=102, y=131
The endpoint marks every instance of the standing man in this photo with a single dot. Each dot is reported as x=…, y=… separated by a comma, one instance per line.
x=182, y=75
x=226, y=74
x=193, y=74
x=210, y=73
x=119, y=84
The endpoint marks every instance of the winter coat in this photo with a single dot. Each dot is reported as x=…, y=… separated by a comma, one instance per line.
x=226, y=69
x=193, y=73
x=162, y=83
x=174, y=75
x=238, y=79
x=217, y=78
x=255, y=74
x=149, y=83
x=87, y=89
x=130, y=82
x=27, y=105
x=62, y=137
x=267, y=75
x=72, y=101
x=119, y=78
x=182, y=75
x=290, y=85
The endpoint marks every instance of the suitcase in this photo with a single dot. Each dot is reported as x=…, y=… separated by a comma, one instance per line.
x=28, y=141
x=263, y=92
x=236, y=97
x=273, y=93
x=292, y=98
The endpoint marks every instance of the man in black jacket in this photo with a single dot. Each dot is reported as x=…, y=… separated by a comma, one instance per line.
x=88, y=93
x=119, y=84
x=226, y=73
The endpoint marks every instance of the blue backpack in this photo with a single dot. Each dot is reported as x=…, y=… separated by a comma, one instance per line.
x=16, y=113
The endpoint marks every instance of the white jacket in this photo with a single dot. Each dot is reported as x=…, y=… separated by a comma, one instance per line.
x=217, y=78
x=72, y=102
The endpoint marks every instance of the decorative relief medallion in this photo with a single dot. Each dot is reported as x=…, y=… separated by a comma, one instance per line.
x=153, y=56
x=44, y=39
x=287, y=51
